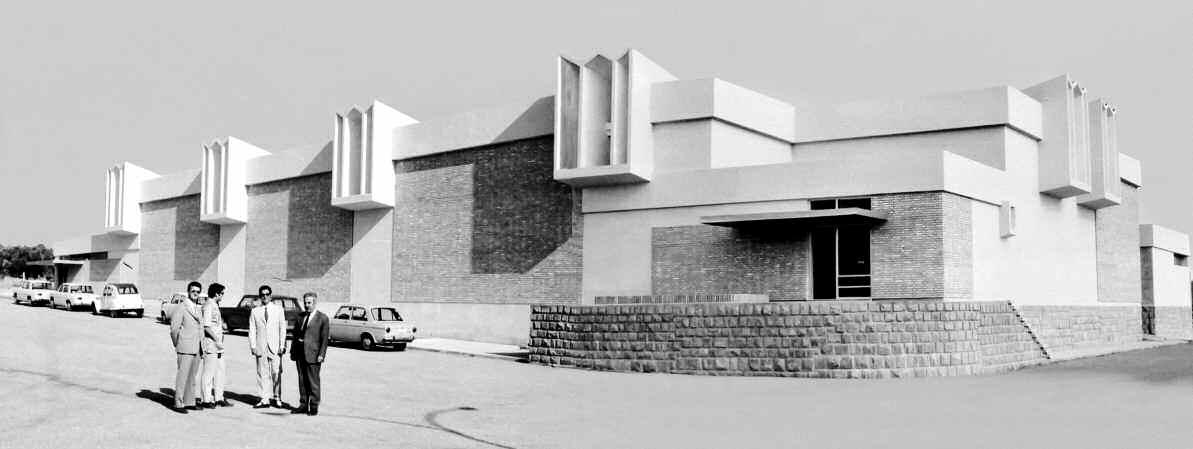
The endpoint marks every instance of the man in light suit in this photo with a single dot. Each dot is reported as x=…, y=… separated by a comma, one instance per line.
x=310, y=346
x=186, y=332
x=267, y=341
x=213, y=374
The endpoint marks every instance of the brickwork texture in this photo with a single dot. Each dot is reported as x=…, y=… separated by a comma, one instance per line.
x=176, y=247
x=296, y=240
x=924, y=250
x=834, y=339
x=1117, y=238
x=486, y=225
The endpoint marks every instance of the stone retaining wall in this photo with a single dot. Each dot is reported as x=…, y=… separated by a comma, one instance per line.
x=1168, y=322
x=1063, y=330
x=679, y=299
x=839, y=339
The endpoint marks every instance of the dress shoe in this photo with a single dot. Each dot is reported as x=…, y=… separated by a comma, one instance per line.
x=179, y=410
x=208, y=405
x=273, y=403
x=261, y=404
x=299, y=411
x=313, y=411
x=223, y=403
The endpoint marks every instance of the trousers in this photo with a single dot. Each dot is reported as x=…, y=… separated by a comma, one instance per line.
x=211, y=385
x=269, y=378
x=308, y=382
x=184, y=381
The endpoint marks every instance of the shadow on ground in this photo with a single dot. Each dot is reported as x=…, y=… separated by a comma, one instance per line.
x=1167, y=364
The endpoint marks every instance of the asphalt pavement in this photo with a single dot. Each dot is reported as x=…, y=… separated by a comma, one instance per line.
x=71, y=379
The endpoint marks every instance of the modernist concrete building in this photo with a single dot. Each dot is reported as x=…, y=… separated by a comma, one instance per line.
x=630, y=185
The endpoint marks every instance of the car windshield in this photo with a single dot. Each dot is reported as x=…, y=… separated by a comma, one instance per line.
x=288, y=303
x=40, y=286
x=83, y=289
x=125, y=289
x=386, y=314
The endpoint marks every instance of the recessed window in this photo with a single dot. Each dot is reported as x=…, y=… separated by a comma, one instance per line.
x=1180, y=260
x=860, y=203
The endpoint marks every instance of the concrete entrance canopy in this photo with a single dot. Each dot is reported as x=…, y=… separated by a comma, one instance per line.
x=806, y=218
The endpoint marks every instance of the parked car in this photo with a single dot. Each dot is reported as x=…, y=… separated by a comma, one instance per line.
x=371, y=326
x=168, y=305
x=32, y=292
x=237, y=318
x=119, y=298
x=70, y=296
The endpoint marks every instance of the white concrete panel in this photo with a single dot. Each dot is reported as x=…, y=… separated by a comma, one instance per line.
x=1130, y=170
x=733, y=146
x=682, y=146
x=362, y=156
x=1051, y=259
x=230, y=260
x=122, y=210
x=1065, y=150
x=1153, y=235
x=186, y=182
x=223, y=196
x=310, y=160
x=1104, y=157
x=715, y=98
x=1170, y=282
x=854, y=174
x=371, y=256
x=992, y=106
x=984, y=145
x=113, y=243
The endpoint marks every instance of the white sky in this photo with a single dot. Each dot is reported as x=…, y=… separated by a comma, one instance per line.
x=86, y=85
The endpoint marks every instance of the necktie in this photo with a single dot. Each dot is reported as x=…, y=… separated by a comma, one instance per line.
x=266, y=314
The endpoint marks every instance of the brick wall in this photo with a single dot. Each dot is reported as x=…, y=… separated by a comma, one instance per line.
x=1064, y=330
x=486, y=225
x=711, y=260
x=176, y=247
x=296, y=240
x=1117, y=235
x=924, y=250
x=839, y=339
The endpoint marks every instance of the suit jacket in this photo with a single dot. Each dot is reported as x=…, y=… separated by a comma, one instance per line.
x=267, y=337
x=213, y=320
x=314, y=338
x=185, y=329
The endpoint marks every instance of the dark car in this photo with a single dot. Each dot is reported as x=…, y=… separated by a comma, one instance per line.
x=237, y=318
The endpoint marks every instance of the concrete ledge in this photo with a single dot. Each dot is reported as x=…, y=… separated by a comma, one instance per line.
x=1153, y=235
x=714, y=98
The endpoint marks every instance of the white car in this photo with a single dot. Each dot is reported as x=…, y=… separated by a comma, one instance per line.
x=116, y=299
x=371, y=326
x=32, y=292
x=168, y=305
x=70, y=296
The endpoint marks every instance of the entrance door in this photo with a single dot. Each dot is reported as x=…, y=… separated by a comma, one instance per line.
x=841, y=262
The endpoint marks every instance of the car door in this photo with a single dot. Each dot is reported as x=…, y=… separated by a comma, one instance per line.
x=339, y=324
x=105, y=301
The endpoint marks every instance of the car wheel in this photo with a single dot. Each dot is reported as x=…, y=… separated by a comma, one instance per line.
x=366, y=342
x=69, y=306
x=94, y=309
x=400, y=346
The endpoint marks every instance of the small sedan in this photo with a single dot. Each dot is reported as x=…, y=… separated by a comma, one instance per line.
x=371, y=326
x=32, y=292
x=118, y=299
x=168, y=305
x=71, y=296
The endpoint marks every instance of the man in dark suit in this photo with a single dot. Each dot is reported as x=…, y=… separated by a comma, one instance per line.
x=310, y=346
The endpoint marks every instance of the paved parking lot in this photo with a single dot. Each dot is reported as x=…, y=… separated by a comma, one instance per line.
x=77, y=380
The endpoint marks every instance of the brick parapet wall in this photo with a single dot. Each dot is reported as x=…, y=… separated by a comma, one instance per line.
x=1168, y=322
x=1068, y=329
x=176, y=248
x=1116, y=232
x=846, y=339
x=486, y=225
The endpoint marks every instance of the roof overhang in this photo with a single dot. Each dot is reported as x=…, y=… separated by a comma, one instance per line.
x=806, y=218
x=67, y=262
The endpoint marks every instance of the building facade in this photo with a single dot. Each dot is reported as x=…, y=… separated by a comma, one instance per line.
x=632, y=186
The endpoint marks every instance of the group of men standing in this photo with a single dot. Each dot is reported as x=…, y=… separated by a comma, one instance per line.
x=196, y=328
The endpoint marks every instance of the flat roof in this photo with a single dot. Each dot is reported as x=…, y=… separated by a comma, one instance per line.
x=848, y=215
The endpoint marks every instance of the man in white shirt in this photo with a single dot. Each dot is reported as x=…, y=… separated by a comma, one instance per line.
x=213, y=376
x=267, y=341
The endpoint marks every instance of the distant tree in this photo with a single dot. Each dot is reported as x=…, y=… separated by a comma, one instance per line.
x=14, y=260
